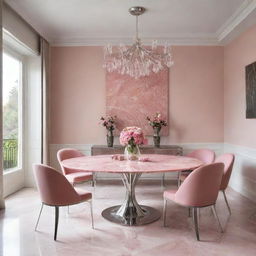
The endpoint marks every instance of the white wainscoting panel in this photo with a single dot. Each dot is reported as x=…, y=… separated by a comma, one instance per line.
x=13, y=180
x=243, y=178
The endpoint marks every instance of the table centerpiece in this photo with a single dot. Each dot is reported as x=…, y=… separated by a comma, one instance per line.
x=131, y=138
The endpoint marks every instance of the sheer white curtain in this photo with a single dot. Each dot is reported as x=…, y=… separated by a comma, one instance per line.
x=28, y=38
x=45, y=55
x=1, y=120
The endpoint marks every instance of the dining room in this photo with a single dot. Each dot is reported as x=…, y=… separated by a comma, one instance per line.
x=128, y=127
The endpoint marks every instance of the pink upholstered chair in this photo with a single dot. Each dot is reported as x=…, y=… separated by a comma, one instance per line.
x=199, y=189
x=228, y=161
x=73, y=176
x=207, y=156
x=56, y=191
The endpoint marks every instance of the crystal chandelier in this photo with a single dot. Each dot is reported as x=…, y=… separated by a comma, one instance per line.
x=137, y=61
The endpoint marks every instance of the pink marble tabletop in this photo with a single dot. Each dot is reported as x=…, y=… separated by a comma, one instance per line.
x=155, y=163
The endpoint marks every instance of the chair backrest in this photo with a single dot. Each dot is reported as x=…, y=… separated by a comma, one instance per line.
x=67, y=153
x=53, y=187
x=201, y=187
x=228, y=161
x=205, y=155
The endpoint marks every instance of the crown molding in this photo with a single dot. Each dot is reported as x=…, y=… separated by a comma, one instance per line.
x=238, y=17
x=185, y=39
x=227, y=32
x=224, y=34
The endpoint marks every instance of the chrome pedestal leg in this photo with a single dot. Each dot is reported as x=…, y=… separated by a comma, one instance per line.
x=39, y=216
x=130, y=207
x=226, y=200
x=130, y=213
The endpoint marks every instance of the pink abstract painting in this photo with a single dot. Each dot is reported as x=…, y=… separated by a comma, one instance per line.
x=132, y=100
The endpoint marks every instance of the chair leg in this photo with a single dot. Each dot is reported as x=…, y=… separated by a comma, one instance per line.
x=217, y=218
x=163, y=180
x=93, y=180
x=39, y=216
x=196, y=223
x=73, y=184
x=164, y=211
x=56, y=222
x=179, y=182
x=189, y=212
x=226, y=200
x=94, y=184
x=91, y=210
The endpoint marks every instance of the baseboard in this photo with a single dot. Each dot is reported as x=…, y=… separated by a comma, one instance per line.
x=13, y=181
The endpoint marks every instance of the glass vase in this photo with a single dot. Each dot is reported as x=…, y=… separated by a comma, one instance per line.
x=110, y=138
x=156, y=136
x=132, y=152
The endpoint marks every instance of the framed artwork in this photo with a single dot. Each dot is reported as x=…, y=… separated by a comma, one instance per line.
x=132, y=100
x=250, y=73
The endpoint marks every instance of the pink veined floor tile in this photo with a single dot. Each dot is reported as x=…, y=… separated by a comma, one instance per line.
x=77, y=238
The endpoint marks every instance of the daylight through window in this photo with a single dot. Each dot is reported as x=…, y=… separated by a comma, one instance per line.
x=12, y=109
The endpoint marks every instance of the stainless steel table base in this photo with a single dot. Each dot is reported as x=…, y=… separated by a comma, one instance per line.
x=150, y=215
x=130, y=213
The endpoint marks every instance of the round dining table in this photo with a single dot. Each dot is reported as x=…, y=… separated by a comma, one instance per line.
x=131, y=213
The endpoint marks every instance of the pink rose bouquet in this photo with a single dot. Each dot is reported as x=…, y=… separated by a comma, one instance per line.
x=131, y=137
x=108, y=122
x=157, y=121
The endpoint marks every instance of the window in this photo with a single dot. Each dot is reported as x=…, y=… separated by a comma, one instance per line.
x=12, y=111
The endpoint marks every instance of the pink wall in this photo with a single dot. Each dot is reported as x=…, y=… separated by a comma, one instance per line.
x=195, y=95
x=239, y=53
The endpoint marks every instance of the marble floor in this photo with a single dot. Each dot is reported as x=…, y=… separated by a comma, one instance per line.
x=76, y=237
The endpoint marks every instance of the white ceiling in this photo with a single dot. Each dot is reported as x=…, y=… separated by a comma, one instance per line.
x=83, y=22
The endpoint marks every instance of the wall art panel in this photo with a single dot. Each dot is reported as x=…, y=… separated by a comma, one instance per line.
x=132, y=100
x=250, y=71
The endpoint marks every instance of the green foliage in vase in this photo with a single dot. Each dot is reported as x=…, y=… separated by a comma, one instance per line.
x=132, y=147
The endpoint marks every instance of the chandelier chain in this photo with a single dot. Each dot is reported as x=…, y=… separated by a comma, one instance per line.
x=137, y=28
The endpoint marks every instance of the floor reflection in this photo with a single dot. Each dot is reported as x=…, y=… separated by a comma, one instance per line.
x=10, y=236
x=75, y=236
